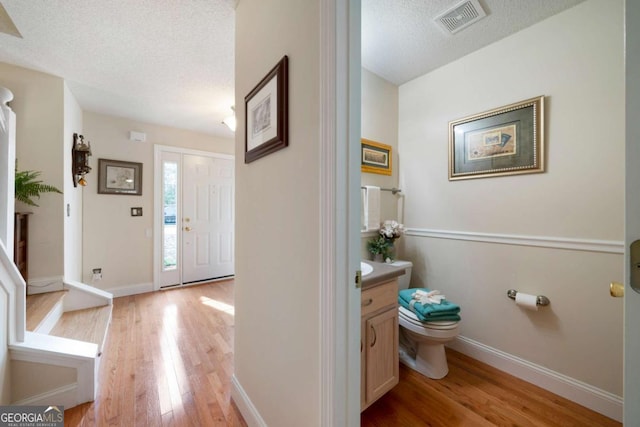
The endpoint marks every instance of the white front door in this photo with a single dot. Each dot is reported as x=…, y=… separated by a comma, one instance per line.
x=632, y=214
x=194, y=217
x=207, y=218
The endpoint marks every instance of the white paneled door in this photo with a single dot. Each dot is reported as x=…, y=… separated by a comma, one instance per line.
x=207, y=218
x=195, y=217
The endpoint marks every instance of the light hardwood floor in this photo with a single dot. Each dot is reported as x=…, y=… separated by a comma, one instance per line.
x=475, y=394
x=169, y=360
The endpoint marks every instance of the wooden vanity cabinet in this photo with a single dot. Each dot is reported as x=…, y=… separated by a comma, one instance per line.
x=379, y=342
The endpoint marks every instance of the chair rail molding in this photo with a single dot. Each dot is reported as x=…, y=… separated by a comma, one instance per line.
x=566, y=243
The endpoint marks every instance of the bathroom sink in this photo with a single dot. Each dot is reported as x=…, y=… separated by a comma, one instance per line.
x=365, y=268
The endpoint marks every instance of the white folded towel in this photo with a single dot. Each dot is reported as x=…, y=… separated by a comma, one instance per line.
x=372, y=207
x=432, y=297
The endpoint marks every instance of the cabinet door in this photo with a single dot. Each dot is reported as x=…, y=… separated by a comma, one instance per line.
x=381, y=347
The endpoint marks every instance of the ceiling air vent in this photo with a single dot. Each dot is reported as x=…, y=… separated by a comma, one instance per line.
x=460, y=16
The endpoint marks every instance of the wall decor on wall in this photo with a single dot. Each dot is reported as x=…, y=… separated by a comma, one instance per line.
x=267, y=114
x=505, y=141
x=80, y=152
x=119, y=177
x=375, y=157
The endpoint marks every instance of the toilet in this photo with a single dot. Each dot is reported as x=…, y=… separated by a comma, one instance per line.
x=422, y=344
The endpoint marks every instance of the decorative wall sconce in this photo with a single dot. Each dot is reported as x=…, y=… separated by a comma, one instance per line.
x=80, y=153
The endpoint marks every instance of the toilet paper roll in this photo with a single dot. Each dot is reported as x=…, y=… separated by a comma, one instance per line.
x=527, y=301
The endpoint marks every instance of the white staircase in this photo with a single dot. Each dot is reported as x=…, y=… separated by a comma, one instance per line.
x=55, y=345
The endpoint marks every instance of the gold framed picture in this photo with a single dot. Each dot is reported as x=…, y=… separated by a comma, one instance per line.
x=505, y=141
x=375, y=157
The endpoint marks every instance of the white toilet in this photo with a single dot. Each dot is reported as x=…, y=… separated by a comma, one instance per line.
x=422, y=344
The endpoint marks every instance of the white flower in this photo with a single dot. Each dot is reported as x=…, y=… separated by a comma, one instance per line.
x=391, y=229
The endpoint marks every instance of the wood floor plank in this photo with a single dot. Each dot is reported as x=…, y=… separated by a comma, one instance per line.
x=475, y=394
x=161, y=351
x=168, y=361
x=38, y=307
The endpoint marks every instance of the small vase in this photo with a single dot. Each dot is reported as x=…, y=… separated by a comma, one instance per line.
x=378, y=258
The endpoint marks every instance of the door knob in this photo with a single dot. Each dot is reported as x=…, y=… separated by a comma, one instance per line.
x=187, y=229
x=616, y=289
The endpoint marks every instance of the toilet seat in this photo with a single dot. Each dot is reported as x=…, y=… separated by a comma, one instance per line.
x=409, y=317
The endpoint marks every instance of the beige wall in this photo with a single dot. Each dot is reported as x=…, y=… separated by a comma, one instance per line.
x=576, y=60
x=72, y=195
x=379, y=123
x=277, y=340
x=112, y=239
x=39, y=106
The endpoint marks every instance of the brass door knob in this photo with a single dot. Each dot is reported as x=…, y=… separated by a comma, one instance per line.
x=187, y=229
x=616, y=289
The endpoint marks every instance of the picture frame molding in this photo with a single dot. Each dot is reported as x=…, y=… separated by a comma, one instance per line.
x=535, y=141
x=281, y=138
x=103, y=188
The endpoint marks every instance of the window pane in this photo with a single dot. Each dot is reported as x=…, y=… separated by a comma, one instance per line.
x=169, y=208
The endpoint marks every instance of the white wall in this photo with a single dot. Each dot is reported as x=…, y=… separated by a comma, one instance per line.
x=39, y=107
x=112, y=239
x=5, y=361
x=380, y=123
x=277, y=331
x=576, y=60
x=72, y=195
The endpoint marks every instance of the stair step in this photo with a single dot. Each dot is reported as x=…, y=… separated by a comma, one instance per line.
x=88, y=325
x=41, y=306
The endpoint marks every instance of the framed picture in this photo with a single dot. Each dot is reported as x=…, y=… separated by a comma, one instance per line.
x=267, y=114
x=375, y=157
x=505, y=141
x=119, y=177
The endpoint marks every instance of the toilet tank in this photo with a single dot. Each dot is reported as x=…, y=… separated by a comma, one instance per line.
x=405, y=280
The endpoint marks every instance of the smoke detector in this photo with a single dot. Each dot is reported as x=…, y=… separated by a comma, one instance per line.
x=460, y=16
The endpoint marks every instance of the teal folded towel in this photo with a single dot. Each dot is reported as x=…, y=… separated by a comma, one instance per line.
x=429, y=312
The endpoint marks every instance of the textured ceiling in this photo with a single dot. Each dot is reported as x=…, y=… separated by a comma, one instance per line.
x=171, y=62
x=401, y=41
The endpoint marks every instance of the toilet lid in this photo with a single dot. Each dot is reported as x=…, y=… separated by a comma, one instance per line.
x=411, y=317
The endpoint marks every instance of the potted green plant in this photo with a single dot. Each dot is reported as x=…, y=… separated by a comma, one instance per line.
x=28, y=187
x=379, y=247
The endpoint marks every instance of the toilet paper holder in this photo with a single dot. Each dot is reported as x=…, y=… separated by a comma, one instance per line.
x=540, y=299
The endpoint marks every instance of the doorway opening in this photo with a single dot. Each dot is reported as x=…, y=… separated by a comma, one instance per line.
x=193, y=217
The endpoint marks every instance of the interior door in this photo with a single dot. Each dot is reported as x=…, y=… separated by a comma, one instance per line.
x=207, y=218
x=632, y=214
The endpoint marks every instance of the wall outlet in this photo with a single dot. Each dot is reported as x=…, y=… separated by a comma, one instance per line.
x=97, y=274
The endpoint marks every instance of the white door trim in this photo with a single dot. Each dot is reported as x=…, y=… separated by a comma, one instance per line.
x=157, y=197
x=340, y=227
x=631, y=390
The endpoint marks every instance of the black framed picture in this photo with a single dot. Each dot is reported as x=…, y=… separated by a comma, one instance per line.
x=266, y=113
x=119, y=177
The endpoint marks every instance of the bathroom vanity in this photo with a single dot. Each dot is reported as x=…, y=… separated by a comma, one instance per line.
x=379, y=371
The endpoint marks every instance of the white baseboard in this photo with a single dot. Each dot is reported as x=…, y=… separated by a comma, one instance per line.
x=61, y=396
x=584, y=394
x=41, y=285
x=245, y=406
x=123, y=291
